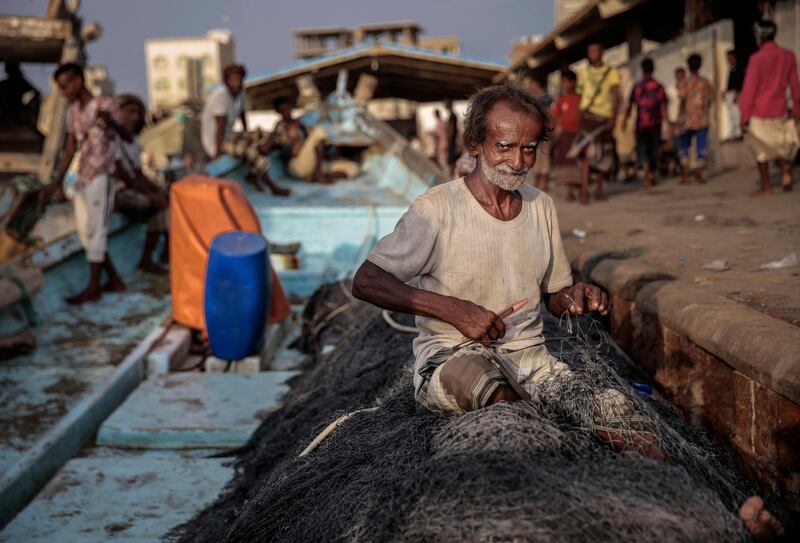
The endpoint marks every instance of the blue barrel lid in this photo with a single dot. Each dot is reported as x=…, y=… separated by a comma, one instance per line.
x=238, y=243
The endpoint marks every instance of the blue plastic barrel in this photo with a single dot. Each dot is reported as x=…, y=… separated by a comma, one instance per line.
x=236, y=296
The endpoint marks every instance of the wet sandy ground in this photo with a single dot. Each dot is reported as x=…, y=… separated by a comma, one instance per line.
x=678, y=229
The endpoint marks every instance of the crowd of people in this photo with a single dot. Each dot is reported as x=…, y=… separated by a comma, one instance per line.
x=755, y=102
x=670, y=133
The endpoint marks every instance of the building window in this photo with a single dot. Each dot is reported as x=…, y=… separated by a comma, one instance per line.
x=162, y=84
x=181, y=62
x=160, y=62
x=181, y=84
x=209, y=81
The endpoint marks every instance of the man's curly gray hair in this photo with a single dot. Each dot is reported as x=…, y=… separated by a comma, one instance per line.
x=481, y=103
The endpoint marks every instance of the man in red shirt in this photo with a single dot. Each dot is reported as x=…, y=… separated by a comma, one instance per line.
x=650, y=99
x=771, y=133
x=566, y=116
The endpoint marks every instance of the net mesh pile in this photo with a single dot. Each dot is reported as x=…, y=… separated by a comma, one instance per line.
x=524, y=471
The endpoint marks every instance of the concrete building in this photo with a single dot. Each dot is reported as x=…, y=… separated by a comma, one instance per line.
x=181, y=70
x=314, y=42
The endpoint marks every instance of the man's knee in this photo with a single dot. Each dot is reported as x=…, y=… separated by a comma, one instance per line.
x=470, y=379
x=503, y=393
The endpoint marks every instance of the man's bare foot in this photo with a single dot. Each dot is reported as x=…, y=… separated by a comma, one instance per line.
x=758, y=521
x=762, y=192
x=787, y=182
x=280, y=191
x=90, y=294
x=151, y=267
x=253, y=180
x=114, y=285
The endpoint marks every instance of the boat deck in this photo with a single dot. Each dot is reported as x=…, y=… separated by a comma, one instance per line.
x=78, y=347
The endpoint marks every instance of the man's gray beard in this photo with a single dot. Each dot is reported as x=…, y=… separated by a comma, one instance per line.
x=503, y=176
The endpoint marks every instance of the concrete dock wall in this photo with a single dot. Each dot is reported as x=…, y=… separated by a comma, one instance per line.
x=733, y=371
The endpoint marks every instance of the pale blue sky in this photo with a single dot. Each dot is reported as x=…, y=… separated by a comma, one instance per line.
x=263, y=29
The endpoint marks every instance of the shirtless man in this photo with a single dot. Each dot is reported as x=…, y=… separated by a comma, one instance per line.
x=474, y=246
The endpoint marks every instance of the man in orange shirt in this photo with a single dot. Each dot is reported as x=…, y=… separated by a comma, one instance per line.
x=695, y=113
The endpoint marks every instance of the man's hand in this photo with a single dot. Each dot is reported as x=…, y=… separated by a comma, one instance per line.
x=577, y=300
x=53, y=191
x=585, y=298
x=476, y=323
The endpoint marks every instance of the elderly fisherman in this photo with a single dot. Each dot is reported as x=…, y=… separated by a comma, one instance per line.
x=476, y=245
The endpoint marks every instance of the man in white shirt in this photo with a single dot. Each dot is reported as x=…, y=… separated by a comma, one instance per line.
x=482, y=243
x=223, y=107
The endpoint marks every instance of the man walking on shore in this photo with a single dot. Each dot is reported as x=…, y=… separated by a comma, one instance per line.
x=650, y=99
x=771, y=133
x=695, y=114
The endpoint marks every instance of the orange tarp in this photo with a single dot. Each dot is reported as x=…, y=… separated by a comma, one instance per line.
x=201, y=208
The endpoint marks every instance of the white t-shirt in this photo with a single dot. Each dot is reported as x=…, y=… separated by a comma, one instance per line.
x=454, y=247
x=130, y=155
x=220, y=103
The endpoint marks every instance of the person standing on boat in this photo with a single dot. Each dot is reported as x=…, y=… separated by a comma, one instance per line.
x=221, y=111
x=223, y=107
x=93, y=125
x=141, y=199
x=481, y=243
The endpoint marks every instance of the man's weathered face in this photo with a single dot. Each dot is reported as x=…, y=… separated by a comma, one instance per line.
x=234, y=82
x=70, y=86
x=509, y=149
x=595, y=53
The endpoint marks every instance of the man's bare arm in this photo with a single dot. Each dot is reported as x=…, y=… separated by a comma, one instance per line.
x=66, y=159
x=376, y=286
x=219, y=135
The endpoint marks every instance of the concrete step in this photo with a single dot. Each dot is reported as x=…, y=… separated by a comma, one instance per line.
x=194, y=410
x=119, y=499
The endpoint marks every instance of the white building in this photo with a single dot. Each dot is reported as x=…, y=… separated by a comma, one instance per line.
x=178, y=67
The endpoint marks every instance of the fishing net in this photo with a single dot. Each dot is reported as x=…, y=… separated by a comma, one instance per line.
x=524, y=471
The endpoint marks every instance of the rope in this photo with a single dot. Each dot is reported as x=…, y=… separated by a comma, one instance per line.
x=387, y=316
x=329, y=429
x=25, y=301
